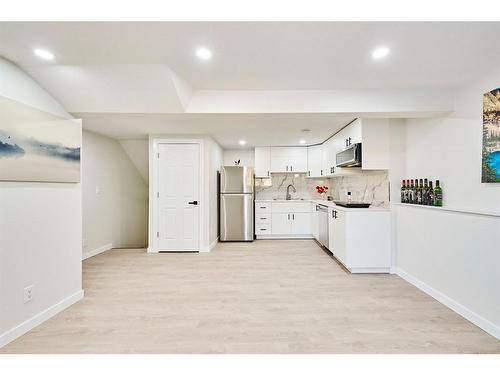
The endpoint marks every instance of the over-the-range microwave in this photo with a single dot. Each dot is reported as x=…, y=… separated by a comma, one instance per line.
x=350, y=157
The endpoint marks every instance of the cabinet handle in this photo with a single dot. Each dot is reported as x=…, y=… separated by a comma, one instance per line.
x=287, y=168
x=267, y=173
x=291, y=169
x=293, y=216
x=262, y=229
x=288, y=216
x=322, y=172
x=349, y=141
x=263, y=218
x=309, y=173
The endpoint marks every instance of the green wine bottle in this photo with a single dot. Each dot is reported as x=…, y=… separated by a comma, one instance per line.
x=438, y=195
x=430, y=198
x=403, y=192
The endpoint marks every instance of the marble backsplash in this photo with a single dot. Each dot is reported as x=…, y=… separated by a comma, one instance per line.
x=368, y=186
x=275, y=187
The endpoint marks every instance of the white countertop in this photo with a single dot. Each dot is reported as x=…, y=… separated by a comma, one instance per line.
x=325, y=203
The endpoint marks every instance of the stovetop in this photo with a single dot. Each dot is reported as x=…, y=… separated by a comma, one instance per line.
x=352, y=204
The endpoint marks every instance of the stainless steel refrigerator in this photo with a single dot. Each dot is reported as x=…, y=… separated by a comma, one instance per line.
x=236, y=199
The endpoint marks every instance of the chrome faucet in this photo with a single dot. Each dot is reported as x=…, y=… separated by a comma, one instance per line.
x=288, y=196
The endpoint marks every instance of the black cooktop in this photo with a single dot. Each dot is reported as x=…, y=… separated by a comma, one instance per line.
x=352, y=204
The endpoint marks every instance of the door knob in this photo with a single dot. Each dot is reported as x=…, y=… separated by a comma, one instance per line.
x=193, y=203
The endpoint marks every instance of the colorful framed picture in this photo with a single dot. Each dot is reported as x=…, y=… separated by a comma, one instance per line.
x=491, y=137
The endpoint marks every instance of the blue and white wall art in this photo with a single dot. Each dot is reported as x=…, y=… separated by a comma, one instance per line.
x=35, y=146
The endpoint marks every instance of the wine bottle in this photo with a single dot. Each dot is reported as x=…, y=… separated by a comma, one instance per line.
x=410, y=192
x=430, y=198
x=407, y=191
x=438, y=195
x=425, y=193
x=420, y=191
x=403, y=192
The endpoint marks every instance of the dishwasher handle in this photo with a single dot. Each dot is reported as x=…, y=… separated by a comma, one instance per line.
x=321, y=208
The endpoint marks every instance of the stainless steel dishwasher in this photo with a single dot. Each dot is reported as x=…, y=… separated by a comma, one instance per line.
x=322, y=224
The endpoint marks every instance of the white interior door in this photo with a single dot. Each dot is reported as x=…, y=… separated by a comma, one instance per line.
x=178, y=196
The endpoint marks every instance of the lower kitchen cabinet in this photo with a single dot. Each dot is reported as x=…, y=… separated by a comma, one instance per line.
x=292, y=223
x=360, y=240
x=283, y=219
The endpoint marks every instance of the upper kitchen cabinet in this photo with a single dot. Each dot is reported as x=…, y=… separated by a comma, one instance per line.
x=350, y=135
x=262, y=162
x=289, y=159
x=315, y=161
x=330, y=148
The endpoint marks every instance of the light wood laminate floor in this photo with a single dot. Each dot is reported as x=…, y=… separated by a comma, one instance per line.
x=261, y=297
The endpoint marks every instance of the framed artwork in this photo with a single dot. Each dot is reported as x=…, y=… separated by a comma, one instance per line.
x=491, y=137
x=37, y=146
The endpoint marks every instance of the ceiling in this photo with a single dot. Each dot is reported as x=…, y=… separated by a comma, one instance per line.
x=271, y=55
x=130, y=79
x=226, y=129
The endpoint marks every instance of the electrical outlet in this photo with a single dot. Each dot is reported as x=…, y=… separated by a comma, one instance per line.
x=28, y=293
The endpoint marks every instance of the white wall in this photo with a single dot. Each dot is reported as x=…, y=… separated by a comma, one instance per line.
x=114, y=194
x=454, y=256
x=246, y=157
x=138, y=151
x=40, y=232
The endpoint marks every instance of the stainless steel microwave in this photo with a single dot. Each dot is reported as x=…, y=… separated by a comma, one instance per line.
x=350, y=157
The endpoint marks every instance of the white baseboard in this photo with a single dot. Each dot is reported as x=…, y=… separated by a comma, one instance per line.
x=213, y=244
x=468, y=314
x=285, y=237
x=39, y=318
x=99, y=250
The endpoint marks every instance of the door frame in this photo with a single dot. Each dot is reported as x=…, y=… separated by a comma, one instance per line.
x=154, y=142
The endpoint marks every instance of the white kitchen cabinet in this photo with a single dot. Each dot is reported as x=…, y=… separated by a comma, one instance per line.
x=292, y=223
x=360, y=240
x=262, y=162
x=328, y=160
x=281, y=224
x=315, y=161
x=289, y=159
x=336, y=234
x=350, y=135
x=301, y=223
x=283, y=219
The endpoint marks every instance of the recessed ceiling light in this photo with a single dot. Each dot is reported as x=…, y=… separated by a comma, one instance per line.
x=44, y=54
x=302, y=141
x=242, y=142
x=380, y=53
x=204, y=53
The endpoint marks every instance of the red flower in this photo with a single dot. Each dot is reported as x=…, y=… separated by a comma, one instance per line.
x=321, y=189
